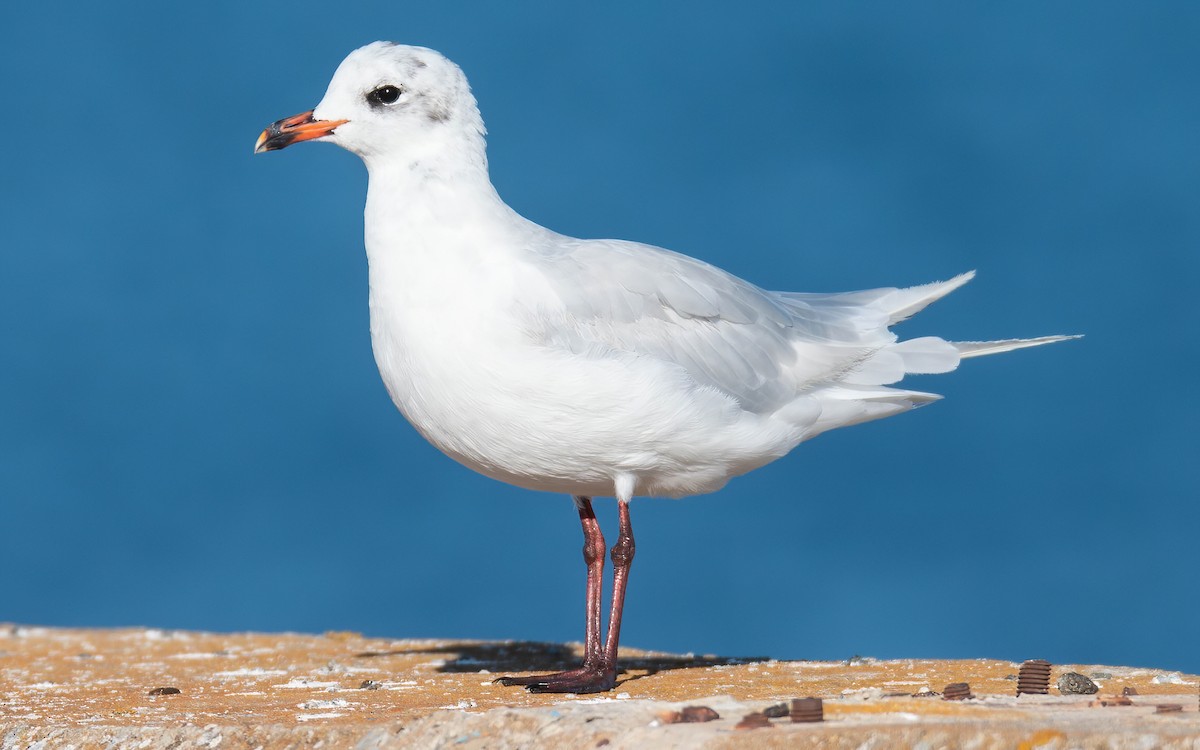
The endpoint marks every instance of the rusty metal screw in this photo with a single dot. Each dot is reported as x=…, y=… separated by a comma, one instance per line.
x=957, y=691
x=808, y=709
x=1034, y=677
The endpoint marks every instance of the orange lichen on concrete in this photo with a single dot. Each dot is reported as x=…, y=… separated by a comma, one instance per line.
x=315, y=685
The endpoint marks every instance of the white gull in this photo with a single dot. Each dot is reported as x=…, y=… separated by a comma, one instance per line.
x=587, y=367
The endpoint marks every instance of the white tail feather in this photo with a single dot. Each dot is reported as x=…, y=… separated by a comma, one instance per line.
x=902, y=304
x=969, y=349
x=861, y=393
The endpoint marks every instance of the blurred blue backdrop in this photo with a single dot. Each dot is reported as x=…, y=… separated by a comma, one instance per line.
x=193, y=433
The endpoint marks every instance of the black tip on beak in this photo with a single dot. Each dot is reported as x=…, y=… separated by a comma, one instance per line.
x=294, y=129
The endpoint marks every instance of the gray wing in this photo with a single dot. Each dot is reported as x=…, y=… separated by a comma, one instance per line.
x=761, y=348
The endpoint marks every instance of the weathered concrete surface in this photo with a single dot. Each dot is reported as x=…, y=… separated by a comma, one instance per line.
x=91, y=688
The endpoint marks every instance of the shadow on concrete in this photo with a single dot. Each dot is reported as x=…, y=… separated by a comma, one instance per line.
x=505, y=657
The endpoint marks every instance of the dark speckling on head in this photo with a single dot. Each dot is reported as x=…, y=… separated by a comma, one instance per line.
x=438, y=112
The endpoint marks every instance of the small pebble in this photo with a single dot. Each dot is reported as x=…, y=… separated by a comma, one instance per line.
x=369, y=685
x=778, y=711
x=164, y=691
x=1073, y=683
x=688, y=715
x=1112, y=700
x=697, y=714
x=753, y=721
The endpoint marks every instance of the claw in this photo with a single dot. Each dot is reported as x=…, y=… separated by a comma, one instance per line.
x=585, y=679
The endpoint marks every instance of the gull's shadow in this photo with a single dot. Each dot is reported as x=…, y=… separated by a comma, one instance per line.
x=532, y=656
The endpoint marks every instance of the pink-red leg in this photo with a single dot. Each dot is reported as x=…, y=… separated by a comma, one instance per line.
x=622, y=558
x=593, y=556
x=599, y=669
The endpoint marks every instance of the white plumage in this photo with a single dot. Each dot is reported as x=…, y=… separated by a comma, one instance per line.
x=561, y=364
x=587, y=367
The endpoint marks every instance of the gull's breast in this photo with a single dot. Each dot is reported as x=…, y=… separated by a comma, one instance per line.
x=473, y=382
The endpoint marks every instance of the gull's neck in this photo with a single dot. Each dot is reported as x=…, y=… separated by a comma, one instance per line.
x=452, y=156
x=438, y=187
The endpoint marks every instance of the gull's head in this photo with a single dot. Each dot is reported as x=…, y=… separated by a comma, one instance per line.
x=387, y=100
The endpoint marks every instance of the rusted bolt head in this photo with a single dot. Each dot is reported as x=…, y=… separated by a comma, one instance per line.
x=807, y=709
x=957, y=691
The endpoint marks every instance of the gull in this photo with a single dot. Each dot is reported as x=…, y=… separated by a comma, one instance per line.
x=587, y=367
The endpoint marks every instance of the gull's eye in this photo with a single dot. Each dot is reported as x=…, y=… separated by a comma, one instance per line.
x=384, y=95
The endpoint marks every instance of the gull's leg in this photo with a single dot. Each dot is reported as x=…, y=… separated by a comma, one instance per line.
x=622, y=557
x=593, y=555
x=600, y=675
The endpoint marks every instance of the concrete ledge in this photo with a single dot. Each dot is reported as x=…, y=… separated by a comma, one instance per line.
x=115, y=688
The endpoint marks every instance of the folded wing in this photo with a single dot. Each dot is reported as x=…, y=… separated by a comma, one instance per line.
x=762, y=348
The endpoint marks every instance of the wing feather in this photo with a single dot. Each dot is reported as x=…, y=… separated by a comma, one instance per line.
x=759, y=347
x=771, y=351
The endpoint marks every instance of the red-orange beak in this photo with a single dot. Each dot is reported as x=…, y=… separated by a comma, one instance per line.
x=289, y=130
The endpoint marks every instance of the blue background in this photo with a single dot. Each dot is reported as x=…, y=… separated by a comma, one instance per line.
x=193, y=433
